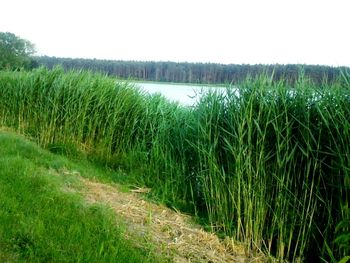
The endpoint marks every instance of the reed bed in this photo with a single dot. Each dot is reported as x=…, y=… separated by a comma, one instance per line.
x=268, y=165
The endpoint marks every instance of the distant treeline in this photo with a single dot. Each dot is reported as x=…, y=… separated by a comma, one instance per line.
x=208, y=73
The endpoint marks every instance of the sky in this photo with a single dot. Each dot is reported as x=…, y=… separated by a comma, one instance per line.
x=217, y=31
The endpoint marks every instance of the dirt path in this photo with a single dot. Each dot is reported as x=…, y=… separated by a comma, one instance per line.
x=172, y=232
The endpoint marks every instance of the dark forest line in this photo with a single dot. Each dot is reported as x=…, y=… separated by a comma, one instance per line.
x=203, y=73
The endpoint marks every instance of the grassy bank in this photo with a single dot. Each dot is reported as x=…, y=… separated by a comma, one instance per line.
x=268, y=165
x=43, y=220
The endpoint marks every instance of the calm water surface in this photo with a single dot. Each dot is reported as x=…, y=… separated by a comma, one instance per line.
x=189, y=95
x=184, y=94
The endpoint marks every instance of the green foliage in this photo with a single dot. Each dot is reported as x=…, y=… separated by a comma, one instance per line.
x=267, y=163
x=15, y=52
x=206, y=73
x=342, y=240
x=42, y=223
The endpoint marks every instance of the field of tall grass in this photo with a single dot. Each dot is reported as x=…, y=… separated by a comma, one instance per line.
x=268, y=165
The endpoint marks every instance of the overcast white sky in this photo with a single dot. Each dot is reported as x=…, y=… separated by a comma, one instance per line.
x=223, y=31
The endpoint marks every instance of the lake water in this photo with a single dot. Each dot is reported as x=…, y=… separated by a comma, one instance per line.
x=189, y=95
x=184, y=94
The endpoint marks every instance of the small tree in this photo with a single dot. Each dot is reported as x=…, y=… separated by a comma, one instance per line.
x=15, y=52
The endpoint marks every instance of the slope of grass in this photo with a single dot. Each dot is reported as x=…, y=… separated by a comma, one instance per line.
x=43, y=221
x=268, y=165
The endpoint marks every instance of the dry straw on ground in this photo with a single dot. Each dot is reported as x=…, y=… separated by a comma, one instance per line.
x=173, y=232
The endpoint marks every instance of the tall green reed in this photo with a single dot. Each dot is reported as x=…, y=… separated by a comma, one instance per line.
x=284, y=169
x=266, y=163
x=88, y=110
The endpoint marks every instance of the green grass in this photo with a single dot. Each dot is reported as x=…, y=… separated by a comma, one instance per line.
x=40, y=222
x=268, y=166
